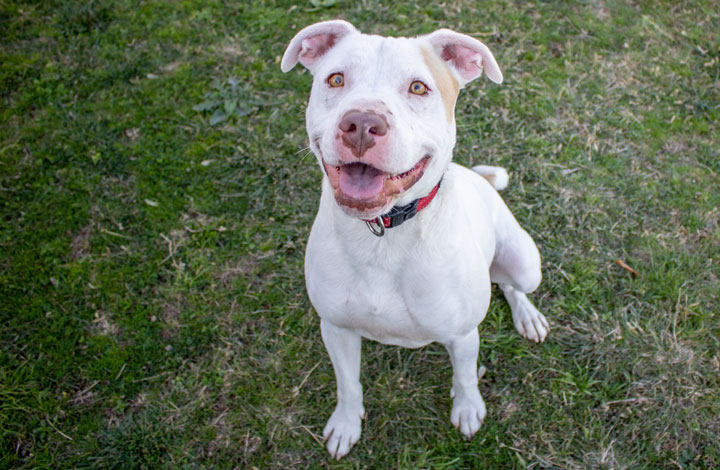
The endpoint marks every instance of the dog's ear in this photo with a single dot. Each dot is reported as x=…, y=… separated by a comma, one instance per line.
x=467, y=57
x=312, y=42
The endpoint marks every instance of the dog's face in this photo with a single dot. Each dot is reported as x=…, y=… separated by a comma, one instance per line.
x=381, y=112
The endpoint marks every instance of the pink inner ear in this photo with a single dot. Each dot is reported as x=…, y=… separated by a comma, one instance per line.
x=314, y=47
x=465, y=60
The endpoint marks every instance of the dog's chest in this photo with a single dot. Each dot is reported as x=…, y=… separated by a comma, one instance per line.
x=377, y=309
x=417, y=301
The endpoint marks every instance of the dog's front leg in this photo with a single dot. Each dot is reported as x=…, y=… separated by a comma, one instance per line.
x=468, y=409
x=344, y=426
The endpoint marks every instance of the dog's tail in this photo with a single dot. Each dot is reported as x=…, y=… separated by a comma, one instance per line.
x=496, y=175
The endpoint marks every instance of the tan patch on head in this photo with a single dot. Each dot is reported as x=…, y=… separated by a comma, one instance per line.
x=446, y=83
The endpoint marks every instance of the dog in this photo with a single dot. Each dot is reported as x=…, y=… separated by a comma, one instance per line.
x=405, y=243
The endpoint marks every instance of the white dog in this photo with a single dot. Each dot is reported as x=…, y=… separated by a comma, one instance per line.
x=405, y=243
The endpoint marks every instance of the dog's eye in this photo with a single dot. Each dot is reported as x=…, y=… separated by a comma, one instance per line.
x=418, y=88
x=336, y=80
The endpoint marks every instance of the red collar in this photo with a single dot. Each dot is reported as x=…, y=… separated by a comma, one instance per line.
x=398, y=215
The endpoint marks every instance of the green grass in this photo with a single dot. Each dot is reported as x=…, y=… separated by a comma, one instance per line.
x=156, y=198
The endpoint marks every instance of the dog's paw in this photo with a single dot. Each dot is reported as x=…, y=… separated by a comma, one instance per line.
x=529, y=322
x=342, y=431
x=468, y=414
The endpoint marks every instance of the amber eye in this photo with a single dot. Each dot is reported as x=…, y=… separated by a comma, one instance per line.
x=418, y=88
x=336, y=80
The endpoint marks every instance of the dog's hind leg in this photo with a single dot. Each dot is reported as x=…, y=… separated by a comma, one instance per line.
x=516, y=269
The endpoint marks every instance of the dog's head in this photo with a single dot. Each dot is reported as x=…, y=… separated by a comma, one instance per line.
x=381, y=112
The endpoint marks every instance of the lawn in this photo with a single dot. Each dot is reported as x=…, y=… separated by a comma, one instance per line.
x=156, y=195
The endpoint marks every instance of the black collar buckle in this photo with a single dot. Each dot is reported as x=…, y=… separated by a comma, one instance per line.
x=398, y=215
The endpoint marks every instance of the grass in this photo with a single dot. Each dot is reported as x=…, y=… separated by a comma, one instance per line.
x=156, y=199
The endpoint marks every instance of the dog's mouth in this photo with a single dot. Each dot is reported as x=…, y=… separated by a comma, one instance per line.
x=363, y=189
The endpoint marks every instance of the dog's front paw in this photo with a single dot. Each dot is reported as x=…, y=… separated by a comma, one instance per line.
x=343, y=430
x=468, y=413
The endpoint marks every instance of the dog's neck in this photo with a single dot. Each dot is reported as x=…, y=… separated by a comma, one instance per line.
x=399, y=214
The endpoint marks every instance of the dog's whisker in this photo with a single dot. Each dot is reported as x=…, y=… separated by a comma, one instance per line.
x=307, y=151
x=304, y=149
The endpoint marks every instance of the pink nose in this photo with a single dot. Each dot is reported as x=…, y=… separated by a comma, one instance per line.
x=359, y=130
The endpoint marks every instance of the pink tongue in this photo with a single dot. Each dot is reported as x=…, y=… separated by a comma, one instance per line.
x=360, y=181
